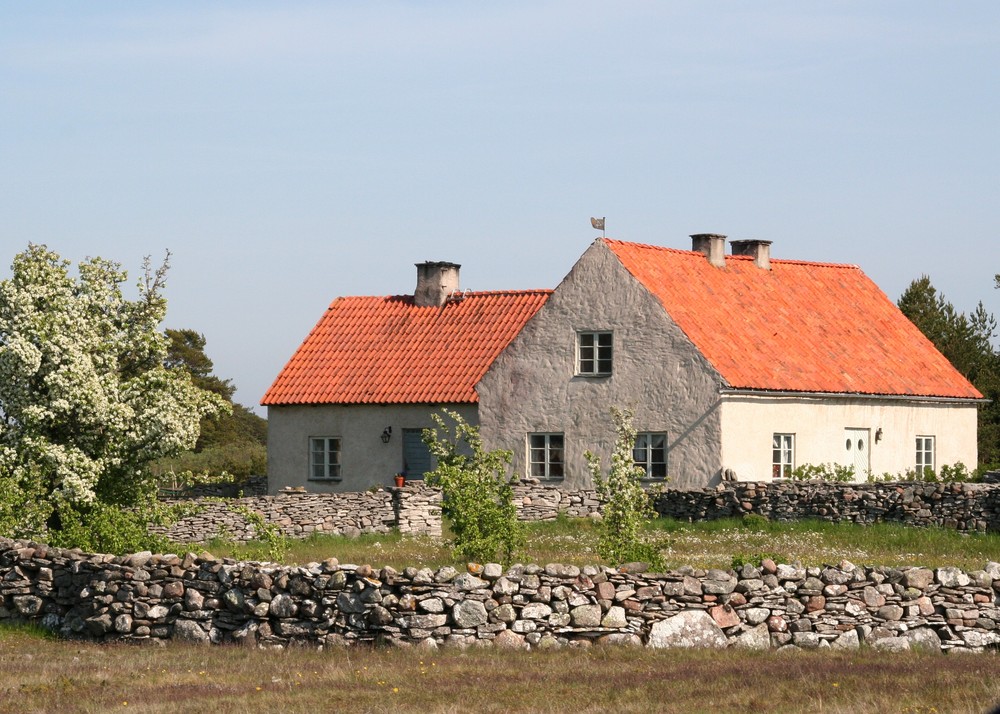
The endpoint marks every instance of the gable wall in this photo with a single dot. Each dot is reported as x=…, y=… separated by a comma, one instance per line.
x=748, y=425
x=657, y=373
x=365, y=460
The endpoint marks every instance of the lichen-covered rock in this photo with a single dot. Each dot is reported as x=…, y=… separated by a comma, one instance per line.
x=694, y=628
x=469, y=613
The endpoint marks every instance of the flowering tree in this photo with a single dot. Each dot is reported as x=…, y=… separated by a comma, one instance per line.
x=85, y=399
x=627, y=505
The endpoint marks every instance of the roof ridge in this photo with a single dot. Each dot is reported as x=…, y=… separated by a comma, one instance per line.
x=465, y=293
x=786, y=261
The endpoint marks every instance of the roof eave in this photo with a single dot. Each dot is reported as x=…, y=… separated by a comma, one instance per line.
x=744, y=391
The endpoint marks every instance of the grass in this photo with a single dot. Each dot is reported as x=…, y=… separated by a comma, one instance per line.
x=42, y=675
x=711, y=544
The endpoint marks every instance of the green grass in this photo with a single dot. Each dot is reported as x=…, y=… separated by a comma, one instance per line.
x=706, y=544
x=41, y=675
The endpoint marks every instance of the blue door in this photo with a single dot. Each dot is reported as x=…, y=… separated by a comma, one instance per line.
x=417, y=459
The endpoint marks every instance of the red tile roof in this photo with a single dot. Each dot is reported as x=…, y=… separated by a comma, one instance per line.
x=809, y=327
x=386, y=350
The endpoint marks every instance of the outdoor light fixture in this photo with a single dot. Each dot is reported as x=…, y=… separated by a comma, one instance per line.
x=878, y=435
x=386, y=435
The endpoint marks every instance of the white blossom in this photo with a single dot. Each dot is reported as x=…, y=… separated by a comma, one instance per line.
x=85, y=401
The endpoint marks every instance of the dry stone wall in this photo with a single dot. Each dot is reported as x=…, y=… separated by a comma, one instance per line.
x=963, y=506
x=414, y=509
x=150, y=598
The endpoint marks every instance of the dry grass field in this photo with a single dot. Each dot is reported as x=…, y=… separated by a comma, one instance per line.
x=43, y=675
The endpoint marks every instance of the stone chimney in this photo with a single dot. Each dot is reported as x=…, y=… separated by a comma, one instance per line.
x=759, y=250
x=435, y=282
x=712, y=245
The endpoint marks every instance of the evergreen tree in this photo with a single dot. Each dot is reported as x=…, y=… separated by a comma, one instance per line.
x=967, y=342
x=186, y=351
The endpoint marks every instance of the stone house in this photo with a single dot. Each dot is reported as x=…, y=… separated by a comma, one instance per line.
x=348, y=410
x=735, y=366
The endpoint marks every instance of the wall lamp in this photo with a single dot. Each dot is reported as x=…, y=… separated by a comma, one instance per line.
x=386, y=435
x=878, y=435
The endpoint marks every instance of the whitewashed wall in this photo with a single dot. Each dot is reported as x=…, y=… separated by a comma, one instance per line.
x=748, y=423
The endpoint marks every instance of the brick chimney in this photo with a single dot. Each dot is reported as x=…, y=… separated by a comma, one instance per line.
x=712, y=245
x=759, y=250
x=435, y=282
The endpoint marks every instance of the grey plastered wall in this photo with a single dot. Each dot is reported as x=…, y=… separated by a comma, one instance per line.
x=365, y=460
x=657, y=373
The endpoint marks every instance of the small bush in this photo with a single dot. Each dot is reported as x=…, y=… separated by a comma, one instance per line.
x=478, y=498
x=627, y=506
x=755, y=522
x=104, y=528
x=834, y=473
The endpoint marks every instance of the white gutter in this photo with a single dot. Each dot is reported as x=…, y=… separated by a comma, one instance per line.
x=732, y=391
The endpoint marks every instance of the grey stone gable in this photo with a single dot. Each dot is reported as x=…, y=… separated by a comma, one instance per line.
x=657, y=373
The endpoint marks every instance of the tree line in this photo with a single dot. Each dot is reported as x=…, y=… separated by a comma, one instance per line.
x=967, y=340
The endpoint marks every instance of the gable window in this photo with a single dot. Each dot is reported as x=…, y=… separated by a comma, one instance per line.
x=650, y=454
x=925, y=454
x=593, y=350
x=324, y=458
x=545, y=456
x=782, y=455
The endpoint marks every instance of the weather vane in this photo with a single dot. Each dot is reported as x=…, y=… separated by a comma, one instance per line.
x=598, y=224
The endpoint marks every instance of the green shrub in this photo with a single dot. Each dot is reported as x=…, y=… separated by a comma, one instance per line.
x=628, y=508
x=478, y=497
x=834, y=473
x=755, y=522
x=102, y=528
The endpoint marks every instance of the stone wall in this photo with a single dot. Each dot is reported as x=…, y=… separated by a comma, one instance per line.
x=963, y=506
x=414, y=509
x=154, y=598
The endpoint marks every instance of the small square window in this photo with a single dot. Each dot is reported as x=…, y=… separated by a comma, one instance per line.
x=324, y=458
x=925, y=454
x=594, y=353
x=546, y=456
x=650, y=454
x=782, y=455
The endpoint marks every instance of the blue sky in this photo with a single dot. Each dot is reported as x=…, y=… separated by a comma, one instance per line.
x=287, y=153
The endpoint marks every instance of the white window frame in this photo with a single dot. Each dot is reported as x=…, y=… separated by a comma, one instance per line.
x=926, y=450
x=782, y=454
x=541, y=450
x=594, y=359
x=324, y=453
x=645, y=441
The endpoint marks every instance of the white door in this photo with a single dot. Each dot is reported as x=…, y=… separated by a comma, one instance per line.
x=857, y=452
